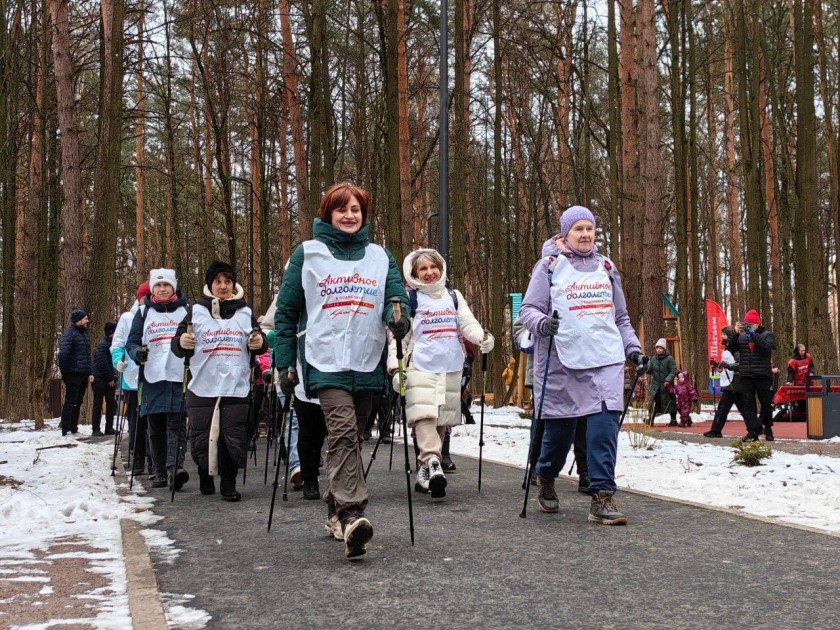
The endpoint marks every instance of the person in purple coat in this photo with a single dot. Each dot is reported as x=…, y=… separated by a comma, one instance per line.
x=576, y=310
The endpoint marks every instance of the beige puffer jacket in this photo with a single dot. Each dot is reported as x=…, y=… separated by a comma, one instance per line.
x=433, y=395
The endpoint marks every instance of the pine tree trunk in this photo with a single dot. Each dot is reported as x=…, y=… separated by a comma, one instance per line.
x=733, y=211
x=9, y=148
x=393, y=182
x=306, y=208
x=652, y=269
x=614, y=135
x=816, y=327
x=73, y=262
x=107, y=197
x=141, y=266
x=406, y=205
x=631, y=230
x=833, y=150
x=460, y=140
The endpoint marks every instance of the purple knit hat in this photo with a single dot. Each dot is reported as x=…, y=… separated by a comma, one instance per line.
x=571, y=216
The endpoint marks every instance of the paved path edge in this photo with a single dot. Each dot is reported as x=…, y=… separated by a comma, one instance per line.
x=144, y=603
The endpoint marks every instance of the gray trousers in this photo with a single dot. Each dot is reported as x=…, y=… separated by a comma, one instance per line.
x=164, y=431
x=345, y=415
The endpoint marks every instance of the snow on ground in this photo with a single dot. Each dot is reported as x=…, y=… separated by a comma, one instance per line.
x=802, y=489
x=60, y=504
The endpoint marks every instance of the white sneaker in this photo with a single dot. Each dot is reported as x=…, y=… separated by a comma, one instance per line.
x=296, y=477
x=437, y=480
x=422, y=483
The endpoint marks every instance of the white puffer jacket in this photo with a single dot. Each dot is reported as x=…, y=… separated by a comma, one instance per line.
x=433, y=395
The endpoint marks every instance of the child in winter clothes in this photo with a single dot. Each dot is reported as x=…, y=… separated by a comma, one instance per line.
x=686, y=397
x=434, y=361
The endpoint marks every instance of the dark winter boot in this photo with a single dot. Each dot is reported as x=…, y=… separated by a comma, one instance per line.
x=159, y=480
x=604, y=511
x=445, y=459
x=768, y=434
x=205, y=482
x=228, y=489
x=547, y=497
x=713, y=433
x=311, y=490
x=583, y=482
x=177, y=478
x=751, y=436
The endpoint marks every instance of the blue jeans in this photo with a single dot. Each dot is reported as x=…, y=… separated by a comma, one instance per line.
x=292, y=422
x=601, y=445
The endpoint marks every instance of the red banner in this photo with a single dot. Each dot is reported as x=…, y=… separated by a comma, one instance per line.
x=715, y=322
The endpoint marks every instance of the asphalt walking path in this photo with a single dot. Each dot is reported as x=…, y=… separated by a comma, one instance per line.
x=476, y=563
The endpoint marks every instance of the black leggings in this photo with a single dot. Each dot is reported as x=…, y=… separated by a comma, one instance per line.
x=312, y=430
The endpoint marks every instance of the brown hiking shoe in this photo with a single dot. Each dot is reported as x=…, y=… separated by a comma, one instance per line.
x=547, y=497
x=357, y=532
x=604, y=511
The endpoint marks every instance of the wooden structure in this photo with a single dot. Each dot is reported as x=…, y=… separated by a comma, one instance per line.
x=671, y=322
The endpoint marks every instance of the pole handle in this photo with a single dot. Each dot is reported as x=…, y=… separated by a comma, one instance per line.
x=187, y=358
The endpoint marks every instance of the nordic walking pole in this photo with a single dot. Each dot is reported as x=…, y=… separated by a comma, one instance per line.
x=536, y=438
x=132, y=455
x=120, y=421
x=401, y=368
x=286, y=405
x=632, y=392
x=249, y=422
x=376, y=448
x=481, y=429
x=393, y=434
x=288, y=448
x=181, y=420
x=269, y=430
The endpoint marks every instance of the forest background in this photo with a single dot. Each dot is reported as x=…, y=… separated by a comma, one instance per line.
x=702, y=134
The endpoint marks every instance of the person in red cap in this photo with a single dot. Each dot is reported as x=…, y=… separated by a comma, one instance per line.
x=755, y=346
x=128, y=371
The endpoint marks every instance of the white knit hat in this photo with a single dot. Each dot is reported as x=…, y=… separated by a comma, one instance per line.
x=162, y=276
x=662, y=343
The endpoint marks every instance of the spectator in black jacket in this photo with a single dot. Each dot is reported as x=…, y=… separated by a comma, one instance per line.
x=755, y=346
x=74, y=363
x=104, y=383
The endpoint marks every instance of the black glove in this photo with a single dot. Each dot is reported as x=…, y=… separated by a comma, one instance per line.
x=641, y=362
x=399, y=328
x=288, y=380
x=142, y=355
x=267, y=377
x=550, y=325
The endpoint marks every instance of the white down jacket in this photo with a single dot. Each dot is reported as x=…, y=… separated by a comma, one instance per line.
x=430, y=395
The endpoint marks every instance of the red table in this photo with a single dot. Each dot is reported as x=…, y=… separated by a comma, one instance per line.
x=789, y=393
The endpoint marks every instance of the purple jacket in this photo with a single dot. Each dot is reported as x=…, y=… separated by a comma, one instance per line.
x=574, y=393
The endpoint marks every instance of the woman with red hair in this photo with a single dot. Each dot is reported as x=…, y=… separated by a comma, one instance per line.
x=332, y=311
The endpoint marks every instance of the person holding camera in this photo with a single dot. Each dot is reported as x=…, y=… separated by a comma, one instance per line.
x=730, y=388
x=755, y=345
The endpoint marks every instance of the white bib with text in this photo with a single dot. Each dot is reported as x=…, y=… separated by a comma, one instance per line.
x=344, y=304
x=588, y=336
x=437, y=344
x=221, y=363
x=158, y=331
